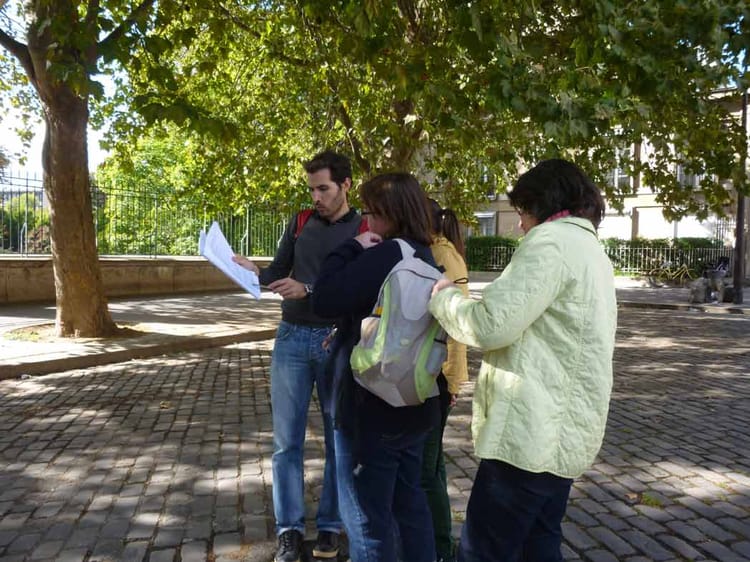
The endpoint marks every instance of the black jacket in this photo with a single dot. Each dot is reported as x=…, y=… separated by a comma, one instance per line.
x=347, y=290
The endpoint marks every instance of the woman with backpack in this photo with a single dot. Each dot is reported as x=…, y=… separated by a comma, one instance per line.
x=448, y=250
x=546, y=328
x=378, y=446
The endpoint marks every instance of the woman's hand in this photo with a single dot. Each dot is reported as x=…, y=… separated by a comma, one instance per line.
x=368, y=239
x=440, y=285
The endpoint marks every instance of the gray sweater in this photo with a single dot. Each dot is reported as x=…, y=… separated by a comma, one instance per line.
x=302, y=257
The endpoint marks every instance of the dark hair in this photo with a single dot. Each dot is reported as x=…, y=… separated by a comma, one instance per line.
x=399, y=198
x=557, y=185
x=445, y=223
x=338, y=164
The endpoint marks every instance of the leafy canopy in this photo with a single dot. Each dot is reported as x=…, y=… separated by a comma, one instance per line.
x=463, y=93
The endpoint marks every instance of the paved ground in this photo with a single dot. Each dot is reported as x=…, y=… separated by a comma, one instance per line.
x=190, y=322
x=162, y=324
x=168, y=458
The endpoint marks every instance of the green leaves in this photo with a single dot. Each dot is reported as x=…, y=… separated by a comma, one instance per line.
x=456, y=92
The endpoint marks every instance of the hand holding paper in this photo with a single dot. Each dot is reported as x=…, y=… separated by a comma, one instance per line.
x=214, y=247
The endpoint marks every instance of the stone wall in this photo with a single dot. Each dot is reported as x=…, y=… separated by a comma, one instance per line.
x=30, y=279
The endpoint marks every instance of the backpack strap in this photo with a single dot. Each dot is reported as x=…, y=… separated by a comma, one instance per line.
x=363, y=226
x=406, y=249
x=302, y=217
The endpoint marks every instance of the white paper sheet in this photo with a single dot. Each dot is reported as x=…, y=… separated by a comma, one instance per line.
x=215, y=248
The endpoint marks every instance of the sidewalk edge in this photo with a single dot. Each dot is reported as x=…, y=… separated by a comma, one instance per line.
x=189, y=343
x=683, y=306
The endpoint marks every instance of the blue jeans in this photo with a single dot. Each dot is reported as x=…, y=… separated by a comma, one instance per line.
x=381, y=497
x=513, y=515
x=298, y=363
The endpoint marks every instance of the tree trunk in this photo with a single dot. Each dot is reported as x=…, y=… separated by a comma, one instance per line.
x=81, y=303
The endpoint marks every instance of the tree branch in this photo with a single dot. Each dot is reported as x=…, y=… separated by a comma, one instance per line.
x=89, y=24
x=126, y=24
x=277, y=53
x=343, y=114
x=353, y=139
x=92, y=10
x=21, y=52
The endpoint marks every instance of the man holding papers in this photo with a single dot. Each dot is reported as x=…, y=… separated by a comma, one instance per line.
x=299, y=360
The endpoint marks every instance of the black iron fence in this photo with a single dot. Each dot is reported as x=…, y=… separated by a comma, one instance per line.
x=148, y=224
x=646, y=261
x=132, y=222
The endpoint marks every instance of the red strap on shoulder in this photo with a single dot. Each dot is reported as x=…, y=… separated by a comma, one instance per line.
x=302, y=217
x=363, y=226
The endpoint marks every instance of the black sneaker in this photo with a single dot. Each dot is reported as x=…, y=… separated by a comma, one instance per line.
x=290, y=546
x=327, y=545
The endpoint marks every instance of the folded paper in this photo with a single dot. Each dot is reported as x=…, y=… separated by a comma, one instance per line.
x=214, y=247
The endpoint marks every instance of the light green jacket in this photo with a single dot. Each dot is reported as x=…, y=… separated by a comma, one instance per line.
x=547, y=330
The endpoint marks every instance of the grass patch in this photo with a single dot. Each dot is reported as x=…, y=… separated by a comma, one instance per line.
x=32, y=333
x=651, y=501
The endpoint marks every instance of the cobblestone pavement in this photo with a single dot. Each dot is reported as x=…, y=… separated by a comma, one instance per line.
x=169, y=459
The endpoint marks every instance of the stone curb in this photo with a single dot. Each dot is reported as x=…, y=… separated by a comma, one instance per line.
x=686, y=307
x=173, y=344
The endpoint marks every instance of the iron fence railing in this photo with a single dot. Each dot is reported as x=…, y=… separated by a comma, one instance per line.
x=642, y=261
x=147, y=224
x=132, y=222
x=625, y=259
x=489, y=258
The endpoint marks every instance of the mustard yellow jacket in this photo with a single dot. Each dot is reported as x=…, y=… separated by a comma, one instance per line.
x=455, y=368
x=547, y=330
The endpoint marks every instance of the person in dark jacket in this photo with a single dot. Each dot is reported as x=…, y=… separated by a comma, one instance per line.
x=378, y=447
x=299, y=359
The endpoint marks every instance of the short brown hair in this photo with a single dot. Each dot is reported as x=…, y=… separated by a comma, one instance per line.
x=399, y=198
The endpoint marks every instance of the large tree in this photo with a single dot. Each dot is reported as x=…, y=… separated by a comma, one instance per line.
x=463, y=93
x=57, y=47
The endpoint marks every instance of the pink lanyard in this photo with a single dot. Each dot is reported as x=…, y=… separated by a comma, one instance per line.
x=560, y=215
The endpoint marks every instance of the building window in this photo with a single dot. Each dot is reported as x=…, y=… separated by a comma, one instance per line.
x=618, y=178
x=725, y=229
x=490, y=182
x=486, y=224
x=687, y=179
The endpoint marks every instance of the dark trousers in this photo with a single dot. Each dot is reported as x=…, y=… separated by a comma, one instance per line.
x=513, y=515
x=388, y=489
x=434, y=481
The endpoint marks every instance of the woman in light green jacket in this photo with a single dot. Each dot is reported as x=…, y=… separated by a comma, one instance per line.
x=546, y=327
